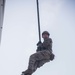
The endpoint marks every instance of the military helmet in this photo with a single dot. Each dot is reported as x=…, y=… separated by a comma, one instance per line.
x=46, y=32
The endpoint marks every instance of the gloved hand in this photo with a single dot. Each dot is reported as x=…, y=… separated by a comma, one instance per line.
x=52, y=56
x=39, y=46
x=39, y=43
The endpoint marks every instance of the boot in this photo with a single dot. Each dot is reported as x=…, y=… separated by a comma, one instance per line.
x=27, y=72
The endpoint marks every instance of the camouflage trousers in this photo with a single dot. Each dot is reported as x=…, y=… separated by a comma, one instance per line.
x=38, y=59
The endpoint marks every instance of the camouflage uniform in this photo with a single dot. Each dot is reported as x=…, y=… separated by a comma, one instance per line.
x=41, y=56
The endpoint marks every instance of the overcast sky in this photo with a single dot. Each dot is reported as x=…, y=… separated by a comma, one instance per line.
x=20, y=35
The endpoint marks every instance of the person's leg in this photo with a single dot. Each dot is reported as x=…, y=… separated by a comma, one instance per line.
x=42, y=62
x=34, y=60
x=31, y=65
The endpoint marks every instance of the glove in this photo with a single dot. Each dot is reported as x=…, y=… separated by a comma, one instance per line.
x=39, y=43
x=39, y=46
x=52, y=57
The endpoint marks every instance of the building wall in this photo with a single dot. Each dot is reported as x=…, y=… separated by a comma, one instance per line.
x=2, y=3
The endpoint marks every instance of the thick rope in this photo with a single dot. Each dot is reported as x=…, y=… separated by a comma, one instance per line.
x=38, y=20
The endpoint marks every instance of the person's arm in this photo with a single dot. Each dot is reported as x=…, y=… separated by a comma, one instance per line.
x=47, y=44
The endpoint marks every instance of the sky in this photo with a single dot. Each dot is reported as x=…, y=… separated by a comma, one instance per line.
x=20, y=36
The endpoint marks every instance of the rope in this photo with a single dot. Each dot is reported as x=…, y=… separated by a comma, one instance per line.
x=38, y=20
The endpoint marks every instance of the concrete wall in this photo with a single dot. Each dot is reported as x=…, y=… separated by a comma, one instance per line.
x=2, y=4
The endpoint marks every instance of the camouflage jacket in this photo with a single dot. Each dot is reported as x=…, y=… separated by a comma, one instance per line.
x=46, y=45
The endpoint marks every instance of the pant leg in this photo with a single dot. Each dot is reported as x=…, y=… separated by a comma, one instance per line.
x=42, y=62
x=36, y=57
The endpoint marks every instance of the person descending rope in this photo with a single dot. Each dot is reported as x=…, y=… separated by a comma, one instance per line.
x=43, y=54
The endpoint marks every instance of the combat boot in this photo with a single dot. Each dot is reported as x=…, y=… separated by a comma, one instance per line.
x=27, y=72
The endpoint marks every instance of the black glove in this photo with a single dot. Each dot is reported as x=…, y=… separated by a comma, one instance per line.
x=52, y=57
x=39, y=46
x=39, y=43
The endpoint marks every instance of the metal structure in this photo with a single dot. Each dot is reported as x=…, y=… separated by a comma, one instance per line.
x=2, y=5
